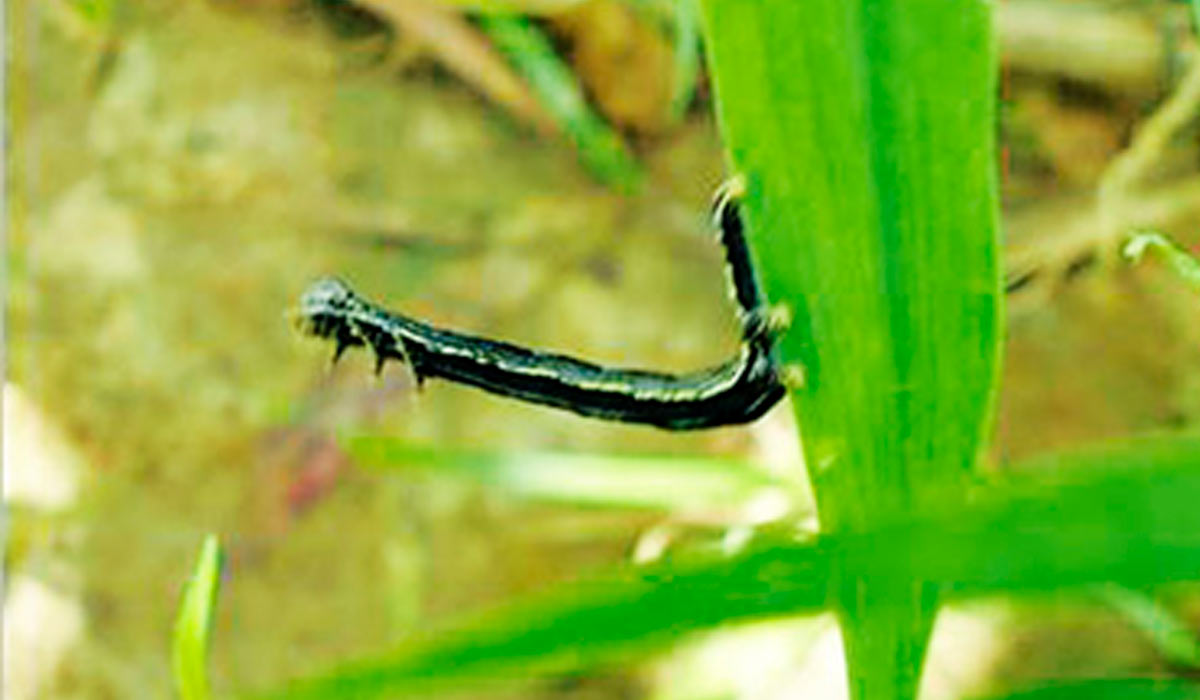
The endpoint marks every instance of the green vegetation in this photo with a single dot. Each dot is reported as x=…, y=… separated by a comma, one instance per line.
x=600, y=148
x=871, y=161
x=208, y=162
x=193, y=627
x=872, y=205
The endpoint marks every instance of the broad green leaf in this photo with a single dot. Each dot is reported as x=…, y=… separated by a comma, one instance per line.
x=680, y=484
x=865, y=131
x=600, y=147
x=193, y=625
x=869, y=149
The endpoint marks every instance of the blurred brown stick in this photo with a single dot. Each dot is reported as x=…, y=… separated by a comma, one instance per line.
x=1044, y=242
x=1118, y=185
x=1121, y=51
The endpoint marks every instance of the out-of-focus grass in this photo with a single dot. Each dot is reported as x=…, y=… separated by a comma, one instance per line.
x=682, y=485
x=600, y=147
x=687, y=57
x=1168, y=632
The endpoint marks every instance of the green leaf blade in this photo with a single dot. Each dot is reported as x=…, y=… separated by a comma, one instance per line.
x=1122, y=513
x=869, y=152
x=676, y=484
x=590, y=623
x=600, y=147
x=1023, y=535
x=193, y=624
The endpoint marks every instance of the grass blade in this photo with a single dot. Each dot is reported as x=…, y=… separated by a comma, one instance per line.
x=869, y=152
x=193, y=625
x=869, y=155
x=600, y=148
x=590, y=623
x=1024, y=535
x=680, y=484
x=1123, y=513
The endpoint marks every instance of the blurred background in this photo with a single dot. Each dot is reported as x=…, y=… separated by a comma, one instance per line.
x=536, y=171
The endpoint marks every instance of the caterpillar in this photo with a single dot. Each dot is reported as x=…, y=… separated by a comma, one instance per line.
x=739, y=390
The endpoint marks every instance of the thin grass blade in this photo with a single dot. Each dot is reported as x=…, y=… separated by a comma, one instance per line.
x=599, y=621
x=600, y=147
x=677, y=484
x=193, y=624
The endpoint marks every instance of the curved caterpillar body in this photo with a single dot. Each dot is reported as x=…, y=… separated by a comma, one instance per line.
x=737, y=391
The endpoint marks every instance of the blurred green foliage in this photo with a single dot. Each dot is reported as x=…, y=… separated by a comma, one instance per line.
x=600, y=148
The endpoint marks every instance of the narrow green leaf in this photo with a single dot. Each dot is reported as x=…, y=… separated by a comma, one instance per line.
x=193, y=625
x=1073, y=529
x=680, y=484
x=597, y=621
x=600, y=148
x=1180, y=260
x=1166, y=451
x=1122, y=513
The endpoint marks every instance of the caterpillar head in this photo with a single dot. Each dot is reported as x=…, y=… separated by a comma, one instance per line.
x=327, y=310
x=327, y=295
